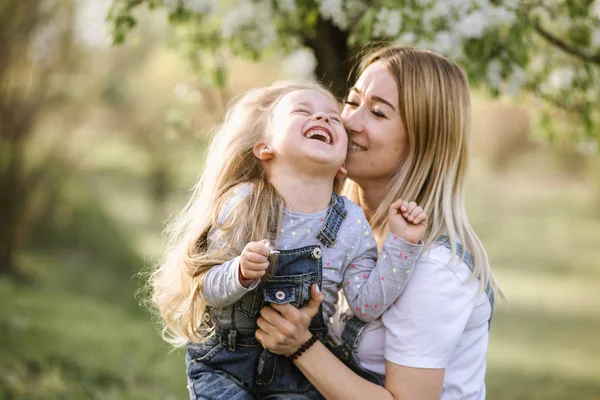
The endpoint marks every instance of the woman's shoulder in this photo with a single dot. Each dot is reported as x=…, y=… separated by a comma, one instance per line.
x=443, y=273
x=439, y=257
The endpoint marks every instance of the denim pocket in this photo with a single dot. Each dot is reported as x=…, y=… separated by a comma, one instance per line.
x=293, y=289
x=250, y=304
x=204, y=352
x=281, y=294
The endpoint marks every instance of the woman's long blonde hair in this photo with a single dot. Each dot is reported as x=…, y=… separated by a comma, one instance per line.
x=435, y=107
x=176, y=284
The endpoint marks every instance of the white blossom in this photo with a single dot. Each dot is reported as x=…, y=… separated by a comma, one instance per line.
x=595, y=39
x=501, y=15
x=300, y=63
x=329, y=8
x=494, y=74
x=595, y=9
x=515, y=82
x=444, y=43
x=333, y=10
x=288, y=6
x=90, y=25
x=200, y=6
x=537, y=64
x=355, y=8
x=407, y=38
x=254, y=19
x=388, y=23
x=43, y=47
x=560, y=78
x=171, y=5
x=588, y=146
x=473, y=25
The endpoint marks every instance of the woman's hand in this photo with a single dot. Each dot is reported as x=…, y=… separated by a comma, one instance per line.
x=407, y=220
x=284, y=328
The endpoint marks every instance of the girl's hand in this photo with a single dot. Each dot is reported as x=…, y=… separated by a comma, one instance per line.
x=408, y=221
x=254, y=261
x=284, y=328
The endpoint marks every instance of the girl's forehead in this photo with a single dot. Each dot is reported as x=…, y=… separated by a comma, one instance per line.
x=310, y=98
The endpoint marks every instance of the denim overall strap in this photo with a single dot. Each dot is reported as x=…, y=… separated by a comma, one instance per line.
x=336, y=214
x=468, y=259
x=296, y=271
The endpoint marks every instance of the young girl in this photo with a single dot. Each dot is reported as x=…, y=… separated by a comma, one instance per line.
x=268, y=184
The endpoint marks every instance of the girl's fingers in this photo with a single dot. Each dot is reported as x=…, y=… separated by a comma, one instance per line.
x=411, y=207
x=395, y=207
x=258, y=248
x=422, y=217
x=414, y=213
x=404, y=206
x=258, y=267
x=255, y=258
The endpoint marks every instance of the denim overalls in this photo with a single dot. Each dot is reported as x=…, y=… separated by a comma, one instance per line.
x=232, y=364
x=354, y=327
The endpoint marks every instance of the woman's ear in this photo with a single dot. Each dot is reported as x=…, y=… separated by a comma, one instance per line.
x=263, y=152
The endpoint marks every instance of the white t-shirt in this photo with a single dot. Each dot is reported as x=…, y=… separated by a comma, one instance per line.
x=438, y=322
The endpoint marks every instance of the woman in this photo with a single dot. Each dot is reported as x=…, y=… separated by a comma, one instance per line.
x=408, y=117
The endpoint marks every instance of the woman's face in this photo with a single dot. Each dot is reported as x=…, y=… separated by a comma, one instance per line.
x=377, y=135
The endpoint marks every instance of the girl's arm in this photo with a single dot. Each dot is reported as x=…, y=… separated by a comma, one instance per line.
x=371, y=285
x=283, y=329
x=223, y=286
x=227, y=283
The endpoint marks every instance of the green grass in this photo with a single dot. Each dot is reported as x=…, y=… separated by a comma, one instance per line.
x=77, y=332
x=64, y=345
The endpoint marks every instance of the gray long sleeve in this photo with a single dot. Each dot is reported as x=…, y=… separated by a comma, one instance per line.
x=370, y=289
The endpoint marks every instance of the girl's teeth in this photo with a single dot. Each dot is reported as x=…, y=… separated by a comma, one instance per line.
x=312, y=133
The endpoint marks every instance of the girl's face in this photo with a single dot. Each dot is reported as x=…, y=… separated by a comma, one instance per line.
x=307, y=131
x=377, y=135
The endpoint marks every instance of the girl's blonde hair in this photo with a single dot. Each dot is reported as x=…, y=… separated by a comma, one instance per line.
x=435, y=107
x=176, y=283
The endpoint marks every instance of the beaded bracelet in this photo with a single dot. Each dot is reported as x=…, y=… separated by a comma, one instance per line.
x=305, y=346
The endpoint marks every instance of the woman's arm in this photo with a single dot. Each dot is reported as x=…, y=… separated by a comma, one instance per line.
x=336, y=381
x=283, y=329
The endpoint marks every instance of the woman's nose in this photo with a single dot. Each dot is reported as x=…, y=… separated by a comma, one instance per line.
x=321, y=116
x=352, y=122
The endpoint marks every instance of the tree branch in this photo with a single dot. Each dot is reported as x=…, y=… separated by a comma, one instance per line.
x=553, y=40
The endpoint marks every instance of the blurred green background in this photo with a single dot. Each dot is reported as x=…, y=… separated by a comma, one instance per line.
x=100, y=144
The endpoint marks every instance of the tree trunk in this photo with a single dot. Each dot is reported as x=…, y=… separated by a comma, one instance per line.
x=334, y=56
x=10, y=206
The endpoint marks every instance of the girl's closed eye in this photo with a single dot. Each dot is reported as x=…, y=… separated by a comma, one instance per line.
x=336, y=118
x=302, y=111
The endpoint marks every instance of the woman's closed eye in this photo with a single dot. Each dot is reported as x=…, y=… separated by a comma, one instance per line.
x=378, y=113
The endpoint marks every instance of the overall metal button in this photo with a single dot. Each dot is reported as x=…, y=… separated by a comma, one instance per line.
x=317, y=253
x=280, y=295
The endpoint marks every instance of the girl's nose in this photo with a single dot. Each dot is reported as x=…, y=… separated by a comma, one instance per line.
x=321, y=116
